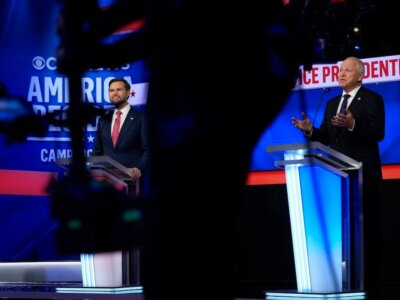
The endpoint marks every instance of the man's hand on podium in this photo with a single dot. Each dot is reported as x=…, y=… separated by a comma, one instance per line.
x=136, y=173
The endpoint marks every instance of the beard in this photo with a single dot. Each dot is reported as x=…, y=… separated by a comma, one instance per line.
x=119, y=102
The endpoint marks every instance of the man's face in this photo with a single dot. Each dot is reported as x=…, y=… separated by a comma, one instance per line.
x=117, y=93
x=349, y=76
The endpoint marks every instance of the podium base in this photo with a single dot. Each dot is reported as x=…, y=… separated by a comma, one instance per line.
x=101, y=290
x=67, y=290
x=295, y=295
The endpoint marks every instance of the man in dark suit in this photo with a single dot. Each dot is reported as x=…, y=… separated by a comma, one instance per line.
x=356, y=130
x=122, y=134
x=131, y=148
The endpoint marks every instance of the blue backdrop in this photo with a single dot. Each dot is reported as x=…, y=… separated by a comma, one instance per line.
x=28, y=69
x=281, y=130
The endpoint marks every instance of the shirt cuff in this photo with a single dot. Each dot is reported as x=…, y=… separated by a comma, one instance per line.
x=352, y=127
x=309, y=134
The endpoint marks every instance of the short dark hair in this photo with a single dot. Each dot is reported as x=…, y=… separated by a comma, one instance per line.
x=126, y=83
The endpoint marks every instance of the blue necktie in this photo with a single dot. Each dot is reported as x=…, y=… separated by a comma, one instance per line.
x=344, y=104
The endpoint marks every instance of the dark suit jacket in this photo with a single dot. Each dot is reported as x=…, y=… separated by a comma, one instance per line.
x=360, y=144
x=132, y=147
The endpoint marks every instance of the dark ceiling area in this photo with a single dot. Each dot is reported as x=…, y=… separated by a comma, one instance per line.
x=340, y=28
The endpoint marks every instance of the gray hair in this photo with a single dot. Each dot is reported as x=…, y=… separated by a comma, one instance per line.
x=359, y=64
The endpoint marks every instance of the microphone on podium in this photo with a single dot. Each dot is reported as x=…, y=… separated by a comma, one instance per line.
x=324, y=92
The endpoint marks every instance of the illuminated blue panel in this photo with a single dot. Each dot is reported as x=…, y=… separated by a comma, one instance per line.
x=315, y=208
x=322, y=208
x=87, y=265
x=297, y=223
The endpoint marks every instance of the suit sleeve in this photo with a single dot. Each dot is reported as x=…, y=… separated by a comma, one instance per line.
x=98, y=145
x=371, y=125
x=144, y=145
x=321, y=134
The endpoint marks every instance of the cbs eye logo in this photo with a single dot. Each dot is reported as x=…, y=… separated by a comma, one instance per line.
x=39, y=63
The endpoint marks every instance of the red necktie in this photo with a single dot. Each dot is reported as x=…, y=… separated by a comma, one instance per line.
x=115, y=131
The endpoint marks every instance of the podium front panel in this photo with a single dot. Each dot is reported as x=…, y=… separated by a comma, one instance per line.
x=319, y=200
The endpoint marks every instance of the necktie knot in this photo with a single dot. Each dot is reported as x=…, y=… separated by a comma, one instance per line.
x=344, y=104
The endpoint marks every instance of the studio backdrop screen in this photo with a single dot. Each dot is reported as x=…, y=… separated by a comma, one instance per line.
x=318, y=85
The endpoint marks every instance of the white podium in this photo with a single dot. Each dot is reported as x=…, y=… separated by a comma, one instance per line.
x=116, y=268
x=324, y=193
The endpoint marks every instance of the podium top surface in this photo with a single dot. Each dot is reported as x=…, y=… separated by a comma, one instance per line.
x=105, y=163
x=315, y=151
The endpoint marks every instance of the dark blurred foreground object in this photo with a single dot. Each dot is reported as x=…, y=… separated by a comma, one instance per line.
x=17, y=120
x=219, y=73
x=95, y=216
x=3, y=90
